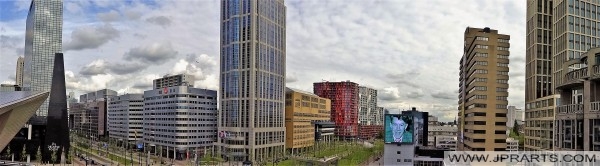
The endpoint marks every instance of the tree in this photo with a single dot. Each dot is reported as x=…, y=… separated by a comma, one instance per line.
x=515, y=128
x=38, y=156
x=8, y=152
x=24, y=153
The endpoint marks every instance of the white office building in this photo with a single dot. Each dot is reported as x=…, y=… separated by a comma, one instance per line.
x=125, y=118
x=179, y=121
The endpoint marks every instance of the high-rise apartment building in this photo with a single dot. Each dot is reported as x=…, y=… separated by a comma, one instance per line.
x=252, y=79
x=344, y=105
x=539, y=89
x=19, y=71
x=368, y=113
x=126, y=118
x=367, y=105
x=173, y=80
x=302, y=111
x=180, y=121
x=483, y=90
x=43, y=39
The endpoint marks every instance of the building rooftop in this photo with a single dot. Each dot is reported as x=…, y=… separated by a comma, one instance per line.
x=300, y=91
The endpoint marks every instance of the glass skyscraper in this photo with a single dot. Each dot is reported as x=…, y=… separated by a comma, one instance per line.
x=43, y=39
x=252, y=80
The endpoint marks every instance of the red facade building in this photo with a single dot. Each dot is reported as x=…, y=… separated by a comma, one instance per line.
x=344, y=105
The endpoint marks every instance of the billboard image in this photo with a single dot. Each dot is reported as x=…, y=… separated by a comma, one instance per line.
x=399, y=128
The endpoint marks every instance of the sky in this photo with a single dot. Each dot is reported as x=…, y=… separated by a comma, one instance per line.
x=408, y=50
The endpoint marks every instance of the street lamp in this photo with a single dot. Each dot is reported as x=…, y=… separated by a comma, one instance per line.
x=53, y=148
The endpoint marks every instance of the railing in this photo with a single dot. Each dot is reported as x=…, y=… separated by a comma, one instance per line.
x=595, y=106
x=575, y=75
x=570, y=109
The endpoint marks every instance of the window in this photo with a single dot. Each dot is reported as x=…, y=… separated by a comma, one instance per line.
x=498, y=89
x=479, y=131
x=407, y=160
x=501, y=106
x=502, y=81
x=501, y=98
x=481, y=88
x=502, y=48
x=482, y=63
x=502, y=56
x=503, y=40
x=482, y=38
x=502, y=64
x=481, y=71
x=481, y=46
x=398, y=152
x=500, y=123
x=502, y=72
x=479, y=122
x=480, y=80
x=481, y=54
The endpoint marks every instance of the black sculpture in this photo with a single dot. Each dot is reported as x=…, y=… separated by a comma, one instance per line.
x=57, y=127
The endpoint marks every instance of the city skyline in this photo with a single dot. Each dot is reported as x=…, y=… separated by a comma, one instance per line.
x=396, y=49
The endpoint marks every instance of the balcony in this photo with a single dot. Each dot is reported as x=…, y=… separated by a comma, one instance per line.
x=595, y=73
x=573, y=78
x=570, y=109
x=595, y=106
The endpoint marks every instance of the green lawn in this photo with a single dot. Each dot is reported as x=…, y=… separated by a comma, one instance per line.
x=357, y=153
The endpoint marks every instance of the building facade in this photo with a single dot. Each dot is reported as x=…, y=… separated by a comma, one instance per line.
x=368, y=113
x=574, y=75
x=173, y=80
x=179, y=121
x=90, y=114
x=302, y=111
x=539, y=87
x=515, y=115
x=483, y=90
x=577, y=123
x=443, y=137
x=19, y=71
x=367, y=105
x=344, y=105
x=512, y=145
x=126, y=118
x=43, y=38
x=252, y=79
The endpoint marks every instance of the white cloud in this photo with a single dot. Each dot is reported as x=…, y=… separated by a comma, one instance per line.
x=410, y=50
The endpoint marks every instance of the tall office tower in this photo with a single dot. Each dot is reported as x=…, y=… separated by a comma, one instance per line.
x=539, y=89
x=252, y=79
x=344, y=105
x=367, y=105
x=575, y=74
x=43, y=39
x=19, y=73
x=483, y=90
x=179, y=121
x=125, y=118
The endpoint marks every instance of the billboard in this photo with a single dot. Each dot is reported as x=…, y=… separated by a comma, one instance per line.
x=399, y=128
